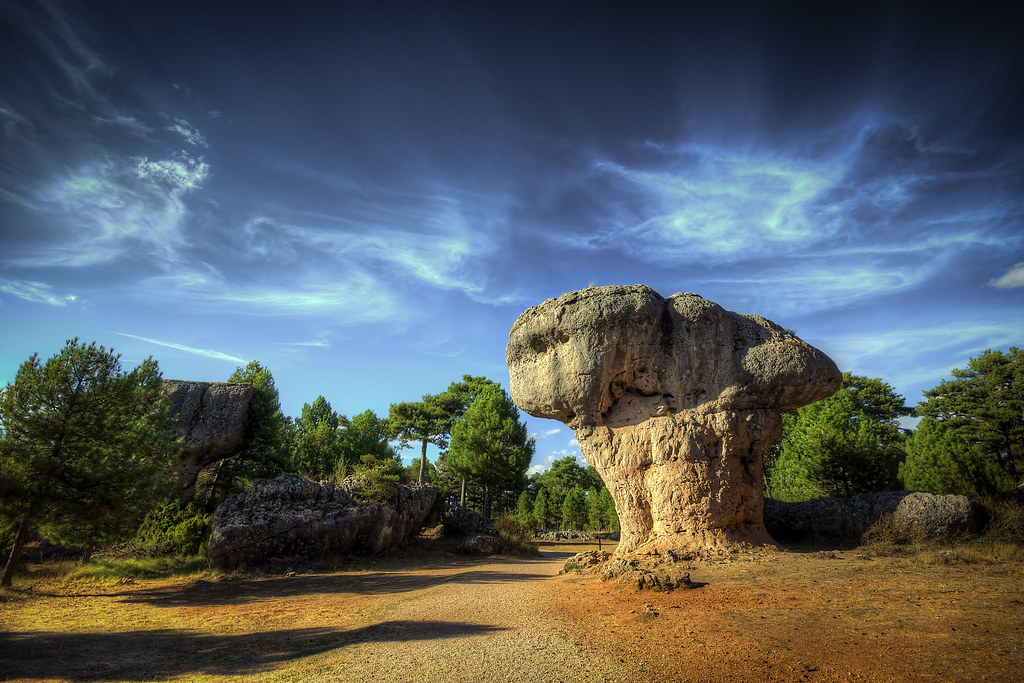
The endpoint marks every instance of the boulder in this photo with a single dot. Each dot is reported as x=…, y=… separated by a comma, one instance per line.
x=674, y=402
x=843, y=521
x=291, y=516
x=211, y=420
x=461, y=521
x=480, y=544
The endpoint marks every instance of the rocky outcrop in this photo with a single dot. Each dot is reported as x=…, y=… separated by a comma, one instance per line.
x=673, y=401
x=211, y=420
x=843, y=521
x=291, y=516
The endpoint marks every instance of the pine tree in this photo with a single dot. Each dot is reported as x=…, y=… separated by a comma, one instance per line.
x=942, y=460
x=83, y=443
x=846, y=444
x=541, y=509
x=574, y=509
x=491, y=444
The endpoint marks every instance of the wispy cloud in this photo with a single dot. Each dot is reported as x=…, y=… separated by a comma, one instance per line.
x=1012, y=278
x=917, y=359
x=207, y=353
x=545, y=434
x=186, y=131
x=35, y=292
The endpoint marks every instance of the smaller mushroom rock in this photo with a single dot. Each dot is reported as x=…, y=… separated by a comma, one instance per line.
x=674, y=402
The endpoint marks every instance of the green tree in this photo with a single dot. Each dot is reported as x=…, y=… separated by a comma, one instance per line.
x=596, y=517
x=574, y=509
x=365, y=434
x=983, y=405
x=542, y=509
x=524, y=509
x=419, y=421
x=844, y=445
x=611, y=517
x=942, y=460
x=267, y=449
x=83, y=442
x=318, y=440
x=490, y=443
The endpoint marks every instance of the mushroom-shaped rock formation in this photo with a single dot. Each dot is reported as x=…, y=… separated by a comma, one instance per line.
x=211, y=421
x=674, y=402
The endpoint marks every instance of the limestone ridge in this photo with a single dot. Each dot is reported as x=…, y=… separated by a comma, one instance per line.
x=673, y=400
x=211, y=420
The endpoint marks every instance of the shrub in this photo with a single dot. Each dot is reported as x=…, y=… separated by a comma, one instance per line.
x=174, y=530
x=516, y=537
x=376, y=478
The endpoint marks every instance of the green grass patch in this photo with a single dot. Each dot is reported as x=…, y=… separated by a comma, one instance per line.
x=110, y=569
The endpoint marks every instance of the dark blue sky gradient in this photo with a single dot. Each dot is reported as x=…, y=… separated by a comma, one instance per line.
x=365, y=197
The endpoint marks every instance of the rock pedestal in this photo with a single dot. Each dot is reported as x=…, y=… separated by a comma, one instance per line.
x=674, y=402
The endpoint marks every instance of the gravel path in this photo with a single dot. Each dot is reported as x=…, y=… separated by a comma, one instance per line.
x=488, y=623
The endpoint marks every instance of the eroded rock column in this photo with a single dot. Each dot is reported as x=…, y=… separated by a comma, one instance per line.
x=674, y=401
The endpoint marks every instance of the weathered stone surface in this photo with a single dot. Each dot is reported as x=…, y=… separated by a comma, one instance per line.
x=673, y=401
x=461, y=521
x=211, y=422
x=291, y=516
x=844, y=520
x=482, y=544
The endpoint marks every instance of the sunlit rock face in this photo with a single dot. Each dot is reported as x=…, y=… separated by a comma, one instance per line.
x=673, y=400
x=210, y=420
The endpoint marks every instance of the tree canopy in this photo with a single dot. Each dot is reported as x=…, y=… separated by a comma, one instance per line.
x=971, y=439
x=490, y=443
x=844, y=445
x=83, y=442
x=318, y=440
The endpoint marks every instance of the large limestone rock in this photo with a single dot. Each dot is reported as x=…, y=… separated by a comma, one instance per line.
x=211, y=420
x=291, y=516
x=674, y=401
x=843, y=521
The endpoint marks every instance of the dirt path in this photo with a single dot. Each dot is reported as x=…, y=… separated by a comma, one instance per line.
x=490, y=623
x=476, y=619
x=836, y=616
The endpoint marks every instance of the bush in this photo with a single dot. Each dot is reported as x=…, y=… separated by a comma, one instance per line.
x=376, y=478
x=515, y=536
x=174, y=530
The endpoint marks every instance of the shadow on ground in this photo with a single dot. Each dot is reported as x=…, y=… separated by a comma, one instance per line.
x=166, y=653
x=239, y=591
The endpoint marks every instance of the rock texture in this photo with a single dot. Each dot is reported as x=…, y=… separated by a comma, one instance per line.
x=673, y=401
x=844, y=520
x=211, y=422
x=291, y=516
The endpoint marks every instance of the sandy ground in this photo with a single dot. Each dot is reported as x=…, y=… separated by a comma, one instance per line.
x=776, y=616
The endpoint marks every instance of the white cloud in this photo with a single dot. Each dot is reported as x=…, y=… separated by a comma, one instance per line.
x=184, y=174
x=35, y=292
x=207, y=353
x=1012, y=278
x=551, y=457
x=545, y=434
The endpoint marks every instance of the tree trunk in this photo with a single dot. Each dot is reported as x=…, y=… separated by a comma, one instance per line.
x=462, y=496
x=12, y=559
x=487, y=503
x=87, y=555
x=423, y=463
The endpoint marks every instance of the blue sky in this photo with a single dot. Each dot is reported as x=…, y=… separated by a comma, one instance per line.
x=365, y=199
